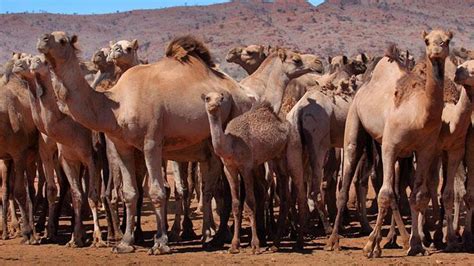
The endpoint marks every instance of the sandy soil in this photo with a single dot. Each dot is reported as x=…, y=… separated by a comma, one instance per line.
x=12, y=252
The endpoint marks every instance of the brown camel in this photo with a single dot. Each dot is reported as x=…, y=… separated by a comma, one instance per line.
x=409, y=121
x=74, y=142
x=248, y=57
x=19, y=142
x=107, y=73
x=250, y=140
x=465, y=77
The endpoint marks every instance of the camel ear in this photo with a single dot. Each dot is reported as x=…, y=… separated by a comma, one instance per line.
x=450, y=34
x=111, y=43
x=424, y=34
x=282, y=54
x=203, y=97
x=74, y=39
x=135, y=44
x=329, y=59
x=345, y=60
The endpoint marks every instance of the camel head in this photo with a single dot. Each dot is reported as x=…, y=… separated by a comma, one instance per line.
x=21, y=68
x=233, y=56
x=351, y=66
x=437, y=44
x=99, y=58
x=296, y=65
x=123, y=52
x=465, y=74
x=251, y=55
x=213, y=101
x=313, y=61
x=57, y=46
x=39, y=65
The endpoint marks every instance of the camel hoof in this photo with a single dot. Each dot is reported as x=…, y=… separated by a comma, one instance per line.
x=418, y=249
x=332, y=243
x=122, y=248
x=98, y=243
x=274, y=248
x=392, y=244
x=159, y=249
x=371, y=251
x=48, y=240
x=234, y=250
x=5, y=236
x=256, y=251
x=215, y=242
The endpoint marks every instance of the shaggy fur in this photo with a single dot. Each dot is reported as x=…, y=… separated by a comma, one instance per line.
x=182, y=47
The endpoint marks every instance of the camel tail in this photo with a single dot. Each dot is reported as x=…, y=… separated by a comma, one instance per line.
x=182, y=47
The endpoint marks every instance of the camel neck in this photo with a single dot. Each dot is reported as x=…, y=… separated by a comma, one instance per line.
x=90, y=108
x=124, y=66
x=47, y=101
x=269, y=82
x=34, y=103
x=219, y=139
x=434, y=85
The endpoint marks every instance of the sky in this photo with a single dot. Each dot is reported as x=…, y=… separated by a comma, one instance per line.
x=97, y=6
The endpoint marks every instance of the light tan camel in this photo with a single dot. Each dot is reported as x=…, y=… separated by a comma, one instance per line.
x=124, y=54
x=410, y=108
x=107, y=73
x=248, y=57
x=74, y=143
x=19, y=142
x=137, y=118
x=465, y=76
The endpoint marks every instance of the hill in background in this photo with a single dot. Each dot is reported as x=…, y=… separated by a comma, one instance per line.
x=332, y=28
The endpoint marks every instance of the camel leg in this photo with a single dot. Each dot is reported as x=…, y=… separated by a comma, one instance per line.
x=361, y=186
x=234, y=183
x=126, y=162
x=453, y=160
x=328, y=191
x=47, y=159
x=251, y=207
x=7, y=185
x=459, y=192
x=114, y=187
x=40, y=203
x=419, y=199
x=210, y=171
x=72, y=171
x=188, y=232
x=157, y=191
x=93, y=200
x=179, y=175
x=284, y=194
x=354, y=140
x=22, y=197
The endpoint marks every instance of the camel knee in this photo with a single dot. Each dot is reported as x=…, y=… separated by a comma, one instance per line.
x=130, y=196
x=51, y=191
x=158, y=195
x=386, y=197
x=448, y=199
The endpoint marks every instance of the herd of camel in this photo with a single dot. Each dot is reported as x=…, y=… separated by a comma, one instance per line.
x=294, y=133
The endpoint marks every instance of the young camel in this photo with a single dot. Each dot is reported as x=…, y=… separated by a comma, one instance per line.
x=465, y=77
x=248, y=141
x=410, y=121
x=74, y=143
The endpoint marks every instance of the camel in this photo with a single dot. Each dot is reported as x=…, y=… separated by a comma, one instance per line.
x=465, y=77
x=107, y=72
x=124, y=54
x=250, y=140
x=142, y=123
x=248, y=57
x=19, y=142
x=409, y=122
x=74, y=143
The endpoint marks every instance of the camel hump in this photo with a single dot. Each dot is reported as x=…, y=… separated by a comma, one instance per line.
x=264, y=105
x=182, y=47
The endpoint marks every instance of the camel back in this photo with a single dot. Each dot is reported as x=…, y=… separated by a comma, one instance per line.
x=182, y=47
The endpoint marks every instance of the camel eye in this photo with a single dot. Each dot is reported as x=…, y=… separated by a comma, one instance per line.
x=208, y=98
x=297, y=61
x=62, y=41
x=129, y=49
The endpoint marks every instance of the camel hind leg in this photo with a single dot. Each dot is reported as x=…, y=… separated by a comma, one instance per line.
x=355, y=138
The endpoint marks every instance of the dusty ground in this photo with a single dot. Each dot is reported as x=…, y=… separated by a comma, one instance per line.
x=12, y=252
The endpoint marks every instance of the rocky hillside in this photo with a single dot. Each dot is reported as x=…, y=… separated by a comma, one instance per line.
x=334, y=27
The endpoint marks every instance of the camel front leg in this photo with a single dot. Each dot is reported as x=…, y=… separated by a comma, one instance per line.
x=126, y=162
x=234, y=183
x=7, y=185
x=93, y=200
x=453, y=160
x=157, y=191
x=252, y=208
x=179, y=175
x=47, y=157
x=72, y=171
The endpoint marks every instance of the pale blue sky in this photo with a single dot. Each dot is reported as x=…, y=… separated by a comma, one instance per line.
x=97, y=6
